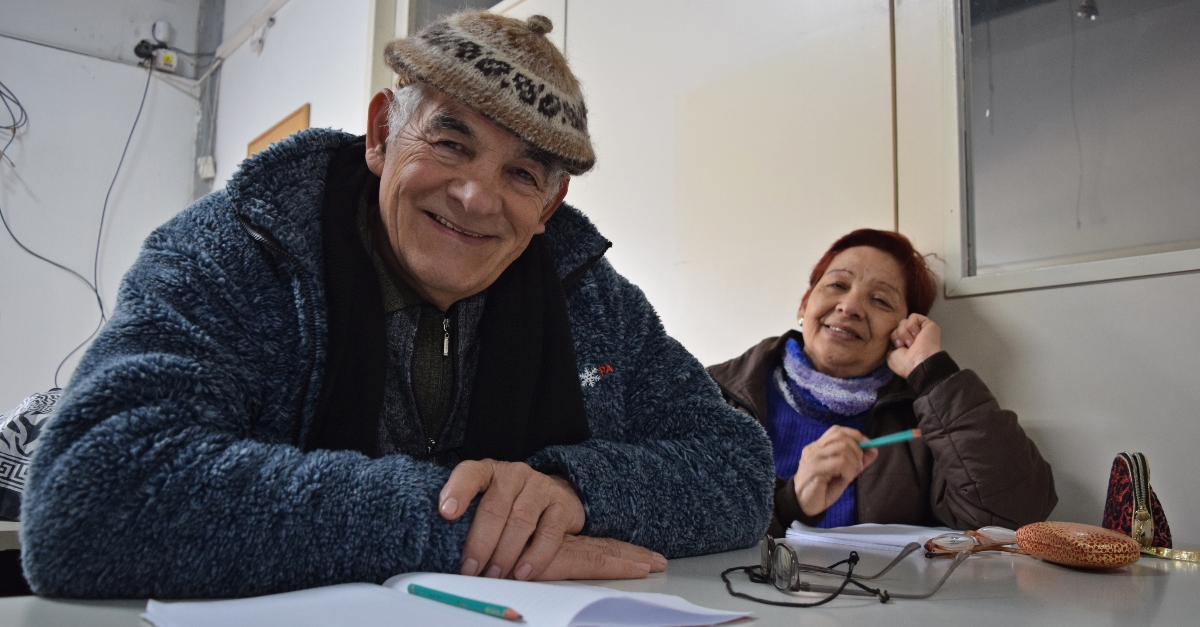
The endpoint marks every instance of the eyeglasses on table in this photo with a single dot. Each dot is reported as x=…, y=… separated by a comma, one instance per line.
x=781, y=567
x=982, y=539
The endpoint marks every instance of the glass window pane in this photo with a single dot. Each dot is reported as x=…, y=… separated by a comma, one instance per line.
x=1084, y=136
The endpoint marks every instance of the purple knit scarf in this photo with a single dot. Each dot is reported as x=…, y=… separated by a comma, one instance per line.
x=825, y=398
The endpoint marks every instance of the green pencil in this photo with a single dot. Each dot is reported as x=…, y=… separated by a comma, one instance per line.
x=895, y=438
x=491, y=609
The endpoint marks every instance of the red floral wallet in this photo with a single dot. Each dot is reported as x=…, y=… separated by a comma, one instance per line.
x=1131, y=506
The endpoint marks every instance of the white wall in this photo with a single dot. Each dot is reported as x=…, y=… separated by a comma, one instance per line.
x=734, y=142
x=80, y=112
x=316, y=53
x=237, y=13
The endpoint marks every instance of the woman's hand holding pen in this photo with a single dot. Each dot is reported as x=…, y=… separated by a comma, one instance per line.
x=828, y=466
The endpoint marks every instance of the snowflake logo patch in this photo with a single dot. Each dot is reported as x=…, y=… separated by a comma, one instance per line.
x=591, y=376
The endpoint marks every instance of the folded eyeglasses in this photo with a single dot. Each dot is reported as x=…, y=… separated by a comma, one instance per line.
x=780, y=566
x=982, y=539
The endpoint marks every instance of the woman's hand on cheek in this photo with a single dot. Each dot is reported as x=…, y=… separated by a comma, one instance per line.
x=827, y=467
x=916, y=339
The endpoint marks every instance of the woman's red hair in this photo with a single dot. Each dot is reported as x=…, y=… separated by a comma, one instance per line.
x=920, y=288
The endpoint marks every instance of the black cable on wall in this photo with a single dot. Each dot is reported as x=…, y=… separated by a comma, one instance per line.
x=19, y=119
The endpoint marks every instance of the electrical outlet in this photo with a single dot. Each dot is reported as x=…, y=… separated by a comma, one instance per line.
x=165, y=60
x=206, y=168
x=161, y=32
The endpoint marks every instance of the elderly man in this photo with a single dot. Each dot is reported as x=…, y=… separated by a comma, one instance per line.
x=401, y=352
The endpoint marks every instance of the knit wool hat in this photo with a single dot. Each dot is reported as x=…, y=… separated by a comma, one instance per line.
x=509, y=72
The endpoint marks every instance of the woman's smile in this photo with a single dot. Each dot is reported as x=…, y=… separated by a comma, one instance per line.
x=841, y=333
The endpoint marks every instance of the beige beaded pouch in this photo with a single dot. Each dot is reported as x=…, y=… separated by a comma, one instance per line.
x=1078, y=545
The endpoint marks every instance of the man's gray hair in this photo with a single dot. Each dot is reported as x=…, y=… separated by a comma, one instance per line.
x=405, y=102
x=408, y=100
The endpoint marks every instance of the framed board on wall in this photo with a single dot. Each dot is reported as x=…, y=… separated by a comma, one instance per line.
x=289, y=125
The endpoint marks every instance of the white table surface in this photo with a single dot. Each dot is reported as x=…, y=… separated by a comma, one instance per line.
x=988, y=589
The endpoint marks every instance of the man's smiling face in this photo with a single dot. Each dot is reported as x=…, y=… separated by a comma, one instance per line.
x=459, y=197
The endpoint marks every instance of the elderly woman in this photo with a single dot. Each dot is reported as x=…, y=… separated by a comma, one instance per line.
x=868, y=362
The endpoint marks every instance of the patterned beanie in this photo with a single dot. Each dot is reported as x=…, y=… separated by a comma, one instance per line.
x=508, y=71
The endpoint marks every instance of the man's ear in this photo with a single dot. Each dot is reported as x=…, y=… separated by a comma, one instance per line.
x=377, y=130
x=552, y=206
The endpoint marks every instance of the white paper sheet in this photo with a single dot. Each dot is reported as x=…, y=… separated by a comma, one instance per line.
x=358, y=604
x=867, y=536
x=368, y=605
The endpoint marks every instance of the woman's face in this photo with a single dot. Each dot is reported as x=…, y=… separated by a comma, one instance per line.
x=849, y=315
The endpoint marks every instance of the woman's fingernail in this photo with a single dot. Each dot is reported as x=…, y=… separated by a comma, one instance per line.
x=524, y=571
x=493, y=572
x=450, y=506
x=644, y=567
x=660, y=558
x=470, y=567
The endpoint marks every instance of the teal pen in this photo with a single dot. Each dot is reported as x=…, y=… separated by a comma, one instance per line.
x=491, y=609
x=895, y=438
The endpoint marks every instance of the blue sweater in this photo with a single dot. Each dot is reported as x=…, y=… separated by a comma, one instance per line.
x=790, y=431
x=172, y=469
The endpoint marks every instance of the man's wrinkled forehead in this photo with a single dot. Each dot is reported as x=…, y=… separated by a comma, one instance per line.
x=449, y=117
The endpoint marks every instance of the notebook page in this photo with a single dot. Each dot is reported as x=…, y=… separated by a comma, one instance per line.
x=358, y=604
x=648, y=609
x=539, y=604
x=555, y=605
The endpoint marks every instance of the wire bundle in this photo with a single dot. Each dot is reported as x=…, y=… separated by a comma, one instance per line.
x=19, y=118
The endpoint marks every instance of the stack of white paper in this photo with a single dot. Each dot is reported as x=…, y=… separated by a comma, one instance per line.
x=366, y=605
x=867, y=536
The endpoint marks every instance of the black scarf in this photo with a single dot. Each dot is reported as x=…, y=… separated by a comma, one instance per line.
x=526, y=394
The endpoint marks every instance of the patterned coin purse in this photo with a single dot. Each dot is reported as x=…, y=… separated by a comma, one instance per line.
x=1131, y=506
x=1077, y=544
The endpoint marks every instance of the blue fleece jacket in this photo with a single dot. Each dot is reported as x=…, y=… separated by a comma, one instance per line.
x=172, y=469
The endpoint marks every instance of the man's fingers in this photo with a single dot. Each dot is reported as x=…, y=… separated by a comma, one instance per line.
x=596, y=566
x=522, y=519
x=491, y=517
x=517, y=502
x=602, y=558
x=543, y=545
x=468, y=479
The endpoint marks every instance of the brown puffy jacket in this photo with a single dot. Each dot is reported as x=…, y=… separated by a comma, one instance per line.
x=973, y=466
